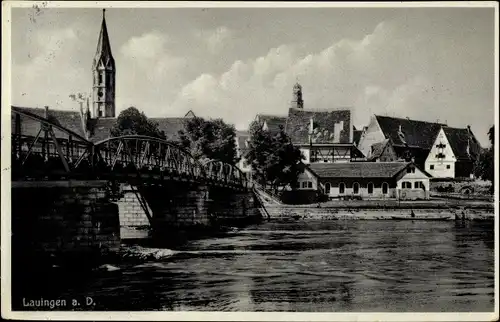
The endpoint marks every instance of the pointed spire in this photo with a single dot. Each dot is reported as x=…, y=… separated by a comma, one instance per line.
x=103, y=46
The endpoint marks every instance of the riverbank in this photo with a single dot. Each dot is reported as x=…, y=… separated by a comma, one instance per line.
x=384, y=209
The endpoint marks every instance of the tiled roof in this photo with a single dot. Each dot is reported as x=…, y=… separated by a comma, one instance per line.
x=170, y=126
x=416, y=133
x=100, y=129
x=273, y=122
x=71, y=120
x=298, y=126
x=378, y=149
x=358, y=169
x=459, y=139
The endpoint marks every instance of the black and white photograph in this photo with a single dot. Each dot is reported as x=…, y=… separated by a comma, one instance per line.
x=250, y=161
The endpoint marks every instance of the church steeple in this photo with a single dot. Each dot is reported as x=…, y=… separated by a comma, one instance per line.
x=104, y=72
x=297, y=101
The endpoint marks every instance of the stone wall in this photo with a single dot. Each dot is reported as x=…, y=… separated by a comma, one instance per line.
x=68, y=222
x=183, y=206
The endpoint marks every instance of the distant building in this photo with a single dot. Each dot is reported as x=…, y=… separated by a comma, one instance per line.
x=321, y=135
x=398, y=139
x=368, y=180
x=409, y=138
x=453, y=153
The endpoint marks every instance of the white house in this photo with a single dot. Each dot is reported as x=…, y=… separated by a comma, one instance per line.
x=453, y=153
x=371, y=180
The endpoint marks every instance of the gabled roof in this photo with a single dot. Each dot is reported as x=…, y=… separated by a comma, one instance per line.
x=298, y=126
x=378, y=149
x=358, y=169
x=416, y=133
x=72, y=120
x=273, y=122
x=459, y=139
x=100, y=129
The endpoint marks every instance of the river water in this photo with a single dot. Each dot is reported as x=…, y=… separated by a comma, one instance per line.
x=322, y=266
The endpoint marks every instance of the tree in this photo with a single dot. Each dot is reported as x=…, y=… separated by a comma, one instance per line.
x=132, y=121
x=211, y=139
x=485, y=164
x=274, y=159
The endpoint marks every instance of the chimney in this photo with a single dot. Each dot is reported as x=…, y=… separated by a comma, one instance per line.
x=311, y=125
x=46, y=112
x=400, y=128
x=468, y=129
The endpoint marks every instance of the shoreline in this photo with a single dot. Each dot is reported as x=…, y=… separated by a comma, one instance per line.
x=366, y=211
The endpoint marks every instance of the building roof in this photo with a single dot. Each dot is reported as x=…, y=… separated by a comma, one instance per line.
x=459, y=140
x=273, y=122
x=416, y=133
x=71, y=120
x=358, y=169
x=100, y=129
x=378, y=149
x=356, y=136
x=170, y=126
x=298, y=126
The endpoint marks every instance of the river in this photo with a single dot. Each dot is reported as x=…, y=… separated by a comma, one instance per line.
x=321, y=266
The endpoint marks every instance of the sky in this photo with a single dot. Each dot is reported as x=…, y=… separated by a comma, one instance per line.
x=431, y=64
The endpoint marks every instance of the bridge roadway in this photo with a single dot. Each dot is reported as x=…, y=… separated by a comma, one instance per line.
x=73, y=196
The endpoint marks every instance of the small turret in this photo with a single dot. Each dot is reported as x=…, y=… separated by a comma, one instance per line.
x=297, y=101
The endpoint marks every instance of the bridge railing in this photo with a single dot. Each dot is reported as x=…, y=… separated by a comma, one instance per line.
x=43, y=148
x=146, y=155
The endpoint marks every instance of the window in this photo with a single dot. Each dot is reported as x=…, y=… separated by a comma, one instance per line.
x=100, y=78
x=448, y=166
x=297, y=185
x=406, y=185
x=327, y=188
x=355, y=188
x=309, y=184
x=410, y=170
x=385, y=188
x=341, y=188
x=370, y=188
x=304, y=184
x=432, y=166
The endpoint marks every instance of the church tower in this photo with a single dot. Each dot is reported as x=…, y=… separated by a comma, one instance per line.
x=104, y=75
x=297, y=101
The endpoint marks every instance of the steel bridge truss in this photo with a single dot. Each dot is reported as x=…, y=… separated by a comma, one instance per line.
x=57, y=152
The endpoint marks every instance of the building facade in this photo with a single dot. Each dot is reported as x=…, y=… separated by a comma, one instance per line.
x=453, y=154
x=371, y=180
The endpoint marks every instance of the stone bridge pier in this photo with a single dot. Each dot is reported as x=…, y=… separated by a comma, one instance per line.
x=62, y=222
x=182, y=206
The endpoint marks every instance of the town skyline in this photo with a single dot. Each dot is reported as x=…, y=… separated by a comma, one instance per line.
x=216, y=65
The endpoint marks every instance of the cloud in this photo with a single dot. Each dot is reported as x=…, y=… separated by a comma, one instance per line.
x=215, y=39
x=37, y=81
x=385, y=72
x=153, y=73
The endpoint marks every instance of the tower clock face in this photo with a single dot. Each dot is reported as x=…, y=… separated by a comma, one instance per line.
x=100, y=93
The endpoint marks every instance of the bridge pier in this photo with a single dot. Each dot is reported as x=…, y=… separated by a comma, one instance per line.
x=183, y=207
x=62, y=222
